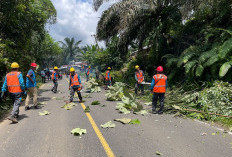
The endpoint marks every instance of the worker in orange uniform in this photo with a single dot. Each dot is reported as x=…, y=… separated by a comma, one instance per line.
x=54, y=79
x=158, y=87
x=87, y=73
x=108, y=78
x=75, y=85
x=139, y=77
x=15, y=84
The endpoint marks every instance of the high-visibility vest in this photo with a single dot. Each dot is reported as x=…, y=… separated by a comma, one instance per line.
x=88, y=71
x=53, y=75
x=13, y=82
x=160, y=83
x=74, y=80
x=108, y=78
x=139, y=75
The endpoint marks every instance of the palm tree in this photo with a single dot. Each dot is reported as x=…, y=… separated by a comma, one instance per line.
x=142, y=20
x=71, y=49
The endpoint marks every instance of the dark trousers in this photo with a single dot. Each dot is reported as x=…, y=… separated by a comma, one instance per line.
x=139, y=86
x=72, y=92
x=43, y=79
x=16, y=99
x=87, y=78
x=155, y=98
x=54, y=89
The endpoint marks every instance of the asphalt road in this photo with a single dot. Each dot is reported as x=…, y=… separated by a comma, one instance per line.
x=49, y=136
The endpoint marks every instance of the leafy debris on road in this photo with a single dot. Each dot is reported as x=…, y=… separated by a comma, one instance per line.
x=92, y=86
x=95, y=103
x=135, y=121
x=204, y=134
x=87, y=109
x=87, y=96
x=53, y=98
x=123, y=120
x=142, y=112
x=158, y=153
x=69, y=106
x=124, y=110
x=78, y=131
x=44, y=113
x=148, y=103
x=108, y=125
x=115, y=92
x=42, y=103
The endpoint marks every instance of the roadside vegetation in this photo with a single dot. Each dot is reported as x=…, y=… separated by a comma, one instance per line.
x=191, y=39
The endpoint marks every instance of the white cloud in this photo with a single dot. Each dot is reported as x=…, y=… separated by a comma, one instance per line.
x=76, y=18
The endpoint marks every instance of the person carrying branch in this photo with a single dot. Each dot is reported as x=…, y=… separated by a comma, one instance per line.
x=158, y=88
x=139, y=77
x=75, y=85
x=14, y=83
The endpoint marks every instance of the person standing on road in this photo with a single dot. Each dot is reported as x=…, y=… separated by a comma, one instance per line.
x=87, y=73
x=54, y=79
x=108, y=78
x=75, y=85
x=31, y=87
x=139, y=77
x=97, y=74
x=43, y=76
x=158, y=87
x=15, y=84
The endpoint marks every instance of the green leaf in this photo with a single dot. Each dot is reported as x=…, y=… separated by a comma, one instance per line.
x=211, y=60
x=78, y=131
x=199, y=70
x=42, y=103
x=158, y=153
x=142, y=112
x=108, y=125
x=69, y=106
x=44, y=113
x=87, y=109
x=119, y=105
x=189, y=65
x=208, y=54
x=123, y=120
x=95, y=103
x=148, y=103
x=225, y=49
x=176, y=107
x=124, y=110
x=225, y=68
x=135, y=121
x=126, y=100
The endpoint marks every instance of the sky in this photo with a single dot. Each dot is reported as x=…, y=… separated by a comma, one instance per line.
x=76, y=18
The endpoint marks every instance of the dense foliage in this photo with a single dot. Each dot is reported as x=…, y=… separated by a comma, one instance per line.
x=190, y=37
x=23, y=36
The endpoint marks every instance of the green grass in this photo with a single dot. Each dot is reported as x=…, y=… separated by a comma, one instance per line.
x=95, y=103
